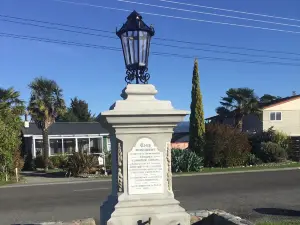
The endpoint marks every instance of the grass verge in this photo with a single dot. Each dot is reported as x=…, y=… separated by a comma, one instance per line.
x=247, y=168
x=6, y=182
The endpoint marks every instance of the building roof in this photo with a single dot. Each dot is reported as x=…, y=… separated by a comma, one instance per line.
x=72, y=128
x=183, y=139
x=182, y=127
x=280, y=101
x=269, y=104
x=67, y=128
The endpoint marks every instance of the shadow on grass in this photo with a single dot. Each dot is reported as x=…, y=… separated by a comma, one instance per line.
x=278, y=212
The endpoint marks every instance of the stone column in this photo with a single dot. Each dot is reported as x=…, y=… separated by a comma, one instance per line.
x=141, y=128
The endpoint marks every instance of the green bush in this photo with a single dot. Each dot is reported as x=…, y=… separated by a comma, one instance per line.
x=108, y=161
x=58, y=161
x=79, y=163
x=253, y=160
x=39, y=162
x=281, y=139
x=185, y=161
x=225, y=146
x=270, y=135
x=272, y=152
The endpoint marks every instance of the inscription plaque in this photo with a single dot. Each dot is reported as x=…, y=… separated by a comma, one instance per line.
x=145, y=168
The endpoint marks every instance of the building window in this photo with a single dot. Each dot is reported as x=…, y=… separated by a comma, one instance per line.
x=95, y=145
x=275, y=116
x=39, y=147
x=69, y=145
x=83, y=145
x=55, y=146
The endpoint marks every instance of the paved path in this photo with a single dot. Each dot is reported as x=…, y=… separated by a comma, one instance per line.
x=250, y=195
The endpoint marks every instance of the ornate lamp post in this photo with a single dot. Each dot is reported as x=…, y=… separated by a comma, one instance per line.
x=140, y=128
x=135, y=38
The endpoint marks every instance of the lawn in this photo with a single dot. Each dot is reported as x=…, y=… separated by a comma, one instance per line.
x=6, y=182
x=285, y=222
x=248, y=168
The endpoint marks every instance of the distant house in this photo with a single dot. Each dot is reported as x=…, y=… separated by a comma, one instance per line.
x=251, y=123
x=282, y=114
x=180, y=139
x=91, y=137
x=66, y=137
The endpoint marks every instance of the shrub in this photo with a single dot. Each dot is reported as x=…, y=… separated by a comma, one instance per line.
x=272, y=152
x=29, y=162
x=281, y=139
x=79, y=163
x=108, y=161
x=253, y=160
x=225, y=146
x=18, y=161
x=59, y=161
x=39, y=162
x=270, y=135
x=185, y=161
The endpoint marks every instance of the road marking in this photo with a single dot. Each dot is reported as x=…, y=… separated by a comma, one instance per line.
x=91, y=189
x=54, y=183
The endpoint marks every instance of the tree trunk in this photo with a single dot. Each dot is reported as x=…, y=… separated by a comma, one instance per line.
x=239, y=123
x=46, y=148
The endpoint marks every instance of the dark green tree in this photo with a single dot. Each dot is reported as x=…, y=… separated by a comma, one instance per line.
x=266, y=98
x=223, y=113
x=240, y=102
x=45, y=105
x=197, y=125
x=77, y=112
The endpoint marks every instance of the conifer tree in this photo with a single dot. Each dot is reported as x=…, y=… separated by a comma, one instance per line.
x=197, y=125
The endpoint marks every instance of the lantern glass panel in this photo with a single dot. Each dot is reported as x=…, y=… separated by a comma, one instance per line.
x=136, y=48
x=125, y=48
x=143, y=51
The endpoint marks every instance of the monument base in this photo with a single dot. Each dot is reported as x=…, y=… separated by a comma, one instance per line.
x=143, y=212
x=141, y=128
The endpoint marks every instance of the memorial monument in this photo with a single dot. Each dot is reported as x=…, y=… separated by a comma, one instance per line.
x=141, y=128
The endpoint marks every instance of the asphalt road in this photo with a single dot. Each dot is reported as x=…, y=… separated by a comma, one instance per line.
x=249, y=195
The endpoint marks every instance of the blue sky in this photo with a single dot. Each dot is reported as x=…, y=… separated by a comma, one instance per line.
x=97, y=76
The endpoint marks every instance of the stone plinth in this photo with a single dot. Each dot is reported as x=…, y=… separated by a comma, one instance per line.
x=141, y=128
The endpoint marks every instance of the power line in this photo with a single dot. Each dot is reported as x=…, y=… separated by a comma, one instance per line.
x=226, y=52
x=57, y=28
x=230, y=10
x=227, y=47
x=56, y=41
x=57, y=24
x=207, y=13
x=154, y=43
x=179, y=17
x=78, y=44
x=158, y=38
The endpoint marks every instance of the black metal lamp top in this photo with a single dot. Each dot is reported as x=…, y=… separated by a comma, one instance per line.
x=135, y=38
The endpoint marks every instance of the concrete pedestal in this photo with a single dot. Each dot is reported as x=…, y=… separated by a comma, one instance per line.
x=141, y=128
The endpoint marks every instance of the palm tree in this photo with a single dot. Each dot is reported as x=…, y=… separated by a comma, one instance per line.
x=46, y=103
x=10, y=100
x=241, y=102
x=222, y=113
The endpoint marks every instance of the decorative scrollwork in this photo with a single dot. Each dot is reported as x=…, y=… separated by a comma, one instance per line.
x=120, y=168
x=169, y=161
x=139, y=76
